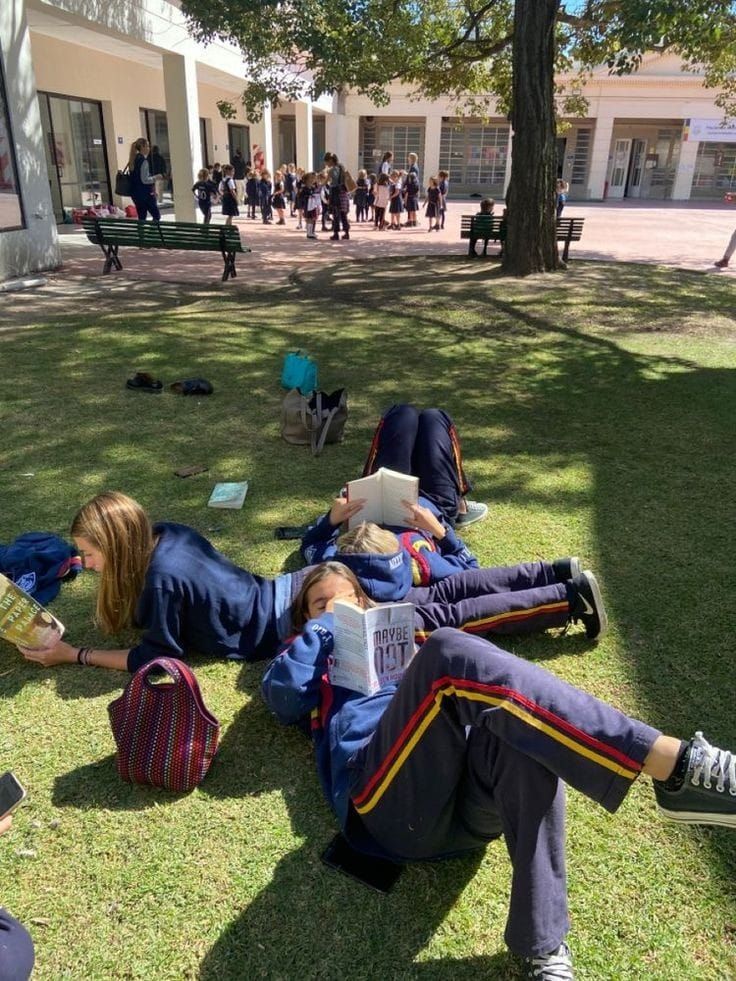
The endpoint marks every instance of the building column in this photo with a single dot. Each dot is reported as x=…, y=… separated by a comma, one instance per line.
x=431, y=153
x=182, y=115
x=34, y=244
x=304, y=135
x=262, y=134
x=600, y=156
x=683, y=185
x=350, y=149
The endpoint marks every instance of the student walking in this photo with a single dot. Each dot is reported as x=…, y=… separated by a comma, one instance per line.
x=204, y=190
x=229, y=194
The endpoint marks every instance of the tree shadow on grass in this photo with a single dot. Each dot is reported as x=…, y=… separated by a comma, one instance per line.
x=337, y=928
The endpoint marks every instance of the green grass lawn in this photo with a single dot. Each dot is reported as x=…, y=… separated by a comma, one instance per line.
x=596, y=410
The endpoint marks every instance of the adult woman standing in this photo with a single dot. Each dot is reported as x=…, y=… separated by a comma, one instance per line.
x=387, y=163
x=143, y=182
x=169, y=581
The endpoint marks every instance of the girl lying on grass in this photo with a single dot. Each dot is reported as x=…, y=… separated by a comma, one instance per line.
x=171, y=583
x=474, y=743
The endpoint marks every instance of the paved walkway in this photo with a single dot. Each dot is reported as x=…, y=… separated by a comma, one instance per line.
x=686, y=235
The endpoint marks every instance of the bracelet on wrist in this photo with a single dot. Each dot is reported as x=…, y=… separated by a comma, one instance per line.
x=83, y=656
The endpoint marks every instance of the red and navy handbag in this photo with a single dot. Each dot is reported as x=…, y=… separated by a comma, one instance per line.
x=164, y=733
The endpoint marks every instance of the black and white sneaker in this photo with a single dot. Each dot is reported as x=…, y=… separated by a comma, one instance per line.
x=706, y=791
x=567, y=568
x=587, y=605
x=555, y=966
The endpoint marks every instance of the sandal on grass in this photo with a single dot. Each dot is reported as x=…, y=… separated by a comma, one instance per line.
x=193, y=386
x=143, y=382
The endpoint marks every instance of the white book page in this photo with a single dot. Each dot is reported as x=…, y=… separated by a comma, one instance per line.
x=397, y=487
x=349, y=665
x=370, y=489
x=390, y=641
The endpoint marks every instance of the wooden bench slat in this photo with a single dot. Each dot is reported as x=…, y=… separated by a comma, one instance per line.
x=187, y=236
x=492, y=228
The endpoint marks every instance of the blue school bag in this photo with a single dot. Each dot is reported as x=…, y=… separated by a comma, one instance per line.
x=300, y=372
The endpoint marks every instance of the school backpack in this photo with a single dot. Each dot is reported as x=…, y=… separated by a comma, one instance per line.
x=314, y=420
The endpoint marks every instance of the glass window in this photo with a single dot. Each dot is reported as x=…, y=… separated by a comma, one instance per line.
x=475, y=156
x=715, y=170
x=11, y=206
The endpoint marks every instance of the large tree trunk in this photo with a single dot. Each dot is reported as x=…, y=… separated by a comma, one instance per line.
x=530, y=244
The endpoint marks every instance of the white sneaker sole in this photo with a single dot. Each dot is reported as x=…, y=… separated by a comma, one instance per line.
x=698, y=817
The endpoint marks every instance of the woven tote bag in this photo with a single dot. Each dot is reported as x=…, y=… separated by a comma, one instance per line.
x=165, y=735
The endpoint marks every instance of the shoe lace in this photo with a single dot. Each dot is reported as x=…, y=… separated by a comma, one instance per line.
x=556, y=966
x=712, y=764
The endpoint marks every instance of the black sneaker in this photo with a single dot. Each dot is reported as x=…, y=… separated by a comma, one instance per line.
x=567, y=568
x=555, y=966
x=587, y=606
x=706, y=793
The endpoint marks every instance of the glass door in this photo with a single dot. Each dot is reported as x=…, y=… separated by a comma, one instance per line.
x=238, y=138
x=619, y=168
x=76, y=159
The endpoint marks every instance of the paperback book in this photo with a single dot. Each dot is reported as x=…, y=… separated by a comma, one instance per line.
x=228, y=495
x=372, y=647
x=384, y=493
x=24, y=621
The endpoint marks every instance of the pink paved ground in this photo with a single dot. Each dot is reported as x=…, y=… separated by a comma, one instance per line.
x=686, y=235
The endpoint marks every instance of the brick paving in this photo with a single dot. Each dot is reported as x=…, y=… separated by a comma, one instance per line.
x=687, y=235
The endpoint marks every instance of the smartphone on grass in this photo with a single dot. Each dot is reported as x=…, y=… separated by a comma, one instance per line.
x=12, y=792
x=290, y=532
x=378, y=873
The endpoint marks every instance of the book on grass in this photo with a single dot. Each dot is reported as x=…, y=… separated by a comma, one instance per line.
x=372, y=647
x=384, y=492
x=24, y=621
x=228, y=495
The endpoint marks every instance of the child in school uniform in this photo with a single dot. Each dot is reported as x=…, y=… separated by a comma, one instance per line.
x=382, y=195
x=278, y=199
x=265, y=191
x=310, y=203
x=371, y=195
x=290, y=188
x=217, y=173
x=443, y=182
x=324, y=191
x=411, y=192
x=360, y=196
x=229, y=194
x=396, y=204
x=204, y=190
x=251, y=193
x=433, y=210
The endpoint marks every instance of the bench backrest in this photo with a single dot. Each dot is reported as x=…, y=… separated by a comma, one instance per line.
x=482, y=225
x=162, y=235
x=570, y=229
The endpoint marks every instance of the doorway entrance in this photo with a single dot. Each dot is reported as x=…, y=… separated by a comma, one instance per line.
x=76, y=158
x=238, y=138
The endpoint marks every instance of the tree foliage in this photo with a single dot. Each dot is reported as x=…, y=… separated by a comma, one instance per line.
x=461, y=49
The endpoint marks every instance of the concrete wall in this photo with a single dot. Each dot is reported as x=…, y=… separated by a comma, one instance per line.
x=36, y=246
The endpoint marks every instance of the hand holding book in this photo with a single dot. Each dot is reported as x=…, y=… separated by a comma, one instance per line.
x=343, y=510
x=423, y=519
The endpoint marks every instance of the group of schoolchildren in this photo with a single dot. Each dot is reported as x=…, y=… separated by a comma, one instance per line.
x=388, y=200
x=473, y=743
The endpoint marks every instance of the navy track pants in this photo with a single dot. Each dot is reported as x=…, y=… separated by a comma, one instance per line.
x=423, y=443
x=477, y=742
x=515, y=599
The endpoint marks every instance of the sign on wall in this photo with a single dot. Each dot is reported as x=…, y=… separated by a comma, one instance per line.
x=710, y=130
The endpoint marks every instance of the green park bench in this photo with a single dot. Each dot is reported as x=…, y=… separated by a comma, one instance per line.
x=492, y=228
x=189, y=236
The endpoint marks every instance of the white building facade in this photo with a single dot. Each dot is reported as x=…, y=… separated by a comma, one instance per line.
x=81, y=79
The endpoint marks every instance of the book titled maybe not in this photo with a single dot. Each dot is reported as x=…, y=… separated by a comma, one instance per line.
x=384, y=493
x=372, y=647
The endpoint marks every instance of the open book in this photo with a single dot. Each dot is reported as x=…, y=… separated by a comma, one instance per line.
x=372, y=647
x=24, y=621
x=383, y=492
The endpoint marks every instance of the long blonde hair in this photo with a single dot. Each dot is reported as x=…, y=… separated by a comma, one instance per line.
x=368, y=537
x=121, y=530
x=135, y=149
x=300, y=606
